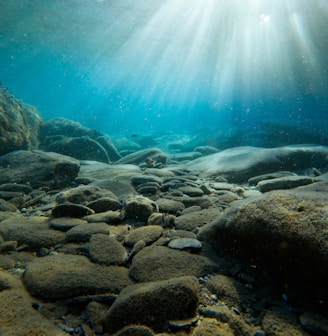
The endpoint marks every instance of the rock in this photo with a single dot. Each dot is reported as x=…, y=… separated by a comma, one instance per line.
x=18, y=317
x=185, y=156
x=59, y=277
x=121, y=189
x=194, y=220
x=148, y=234
x=109, y=146
x=141, y=156
x=37, y=168
x=283, y=232
x=140, y=207
x=83, y=232
x=191, y=191
x=110, y=217
x=189, y=244
x=105, y=250
x=7, y=206
x=135, y=330
x=16, y=187
x=314, y=324
x=138, y=304
x=71, y=210
x=209, y=327
x=19, y=124
x=281, y=322
x=141, y=179
x=170, y=206
x=65, y=223
x=34, y=232
x=104, y=204
x=159, y=262
x=165, y=220
x=241, y=163
x=8, y=246
x=206, y=150
x=287, y=182
x=256, y=179
x=80, y=148
x=84, y=195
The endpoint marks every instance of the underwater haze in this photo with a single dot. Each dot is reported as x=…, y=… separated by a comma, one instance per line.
x=167, y=65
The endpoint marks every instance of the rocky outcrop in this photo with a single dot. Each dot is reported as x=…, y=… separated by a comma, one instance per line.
x=19, y=124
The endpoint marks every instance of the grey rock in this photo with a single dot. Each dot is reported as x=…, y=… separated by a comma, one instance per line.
x=16, y=187
x=65, y=223
x=141, y=179
x=241, y=163
x=104, y=204
x=170, y=206
x=110, y=217
x=256, y=179
x=159, y=262
x=191, y=191
x=287, y=182
x=190, y=244
x=38, y=168
x=138, y=304
x=59, y=277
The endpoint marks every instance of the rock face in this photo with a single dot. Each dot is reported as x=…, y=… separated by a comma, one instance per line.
x=241, y=163
x=19, y=124
x=282, y=231
x=38, y=168
x=153, y=304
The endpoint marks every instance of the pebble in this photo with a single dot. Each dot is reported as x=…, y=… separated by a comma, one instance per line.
x=185, y=244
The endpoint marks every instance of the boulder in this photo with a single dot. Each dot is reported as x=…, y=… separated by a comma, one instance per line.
x=283, y=232
x=153, y=304
x=60, y=277
x=241, y=163
x=38, y=169
x=19, y=124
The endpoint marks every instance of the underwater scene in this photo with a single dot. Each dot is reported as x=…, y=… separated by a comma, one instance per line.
x=164, y=167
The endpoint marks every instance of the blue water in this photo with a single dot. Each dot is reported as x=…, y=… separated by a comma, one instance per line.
x=167, y=65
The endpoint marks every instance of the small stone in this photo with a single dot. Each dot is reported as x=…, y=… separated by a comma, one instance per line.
x=185, y=244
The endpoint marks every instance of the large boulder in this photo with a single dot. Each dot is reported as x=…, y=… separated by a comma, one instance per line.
x=37, y=168
x=241, y=163
x=19, y=124
x=282, y=232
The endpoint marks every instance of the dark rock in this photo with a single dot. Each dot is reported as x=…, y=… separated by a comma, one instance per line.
x=81, y=148
x=60, y=277
x=314, y=323
x=19, y=124
x=15, y=187
x=71, y=210
x=139, y=304
x=135, y=330
x=34, y=232
x=140, y=207
x=38, y=169
x=106, y=250
x=83, y=232
x=160, y=262
x=148, y=234
x=191, y=191
x=65, y=223
x=141, y=179
x=104, y=204
x=283, y=232
x=287, y=182
x=6, y=206
x=110, y=217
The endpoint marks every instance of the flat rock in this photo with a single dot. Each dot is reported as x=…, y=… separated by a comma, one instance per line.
x=110, y=217
x=39, y=169
x=139, y=304
x=65, y=223
x=59, y=277
x=104, y=204
x=145, y=178
x=105, y=250
x=159, y=262
x=170, y=206
x=241, y=163
x=139, y=157
x=31, y=231
x=148, y=234
x=256, y=179
x=83, y=232
x=71, y=210
x=284, y=232
x=190, y=244
x=286, y=182
x=191, y=191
